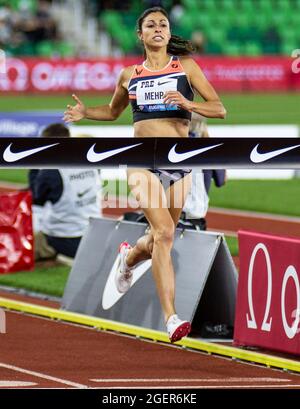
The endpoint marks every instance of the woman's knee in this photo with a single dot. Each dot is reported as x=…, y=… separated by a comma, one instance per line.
x=164, y=234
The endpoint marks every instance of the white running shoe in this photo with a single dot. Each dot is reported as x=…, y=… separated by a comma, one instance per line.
x=124, y=274
x=177, y=328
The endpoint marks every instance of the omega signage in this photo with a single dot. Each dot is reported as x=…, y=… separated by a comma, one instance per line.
x=268, y=299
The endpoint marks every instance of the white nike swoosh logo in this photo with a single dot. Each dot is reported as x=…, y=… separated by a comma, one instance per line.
x=175, y=157
x=10, y=156
x=92, y=156
x=257, y=157
x=110, y=294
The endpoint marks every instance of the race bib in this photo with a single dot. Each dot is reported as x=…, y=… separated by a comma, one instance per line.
x=152, y=91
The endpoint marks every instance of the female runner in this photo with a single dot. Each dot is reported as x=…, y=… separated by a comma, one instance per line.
x=161, y=92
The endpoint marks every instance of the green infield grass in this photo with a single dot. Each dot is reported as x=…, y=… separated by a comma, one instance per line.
x=14, y=176
x=44, y=279
x=267, y=196
x=254, y=108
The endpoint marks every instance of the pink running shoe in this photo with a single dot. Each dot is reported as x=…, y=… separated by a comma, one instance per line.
x=123, y=278
x=177, y=328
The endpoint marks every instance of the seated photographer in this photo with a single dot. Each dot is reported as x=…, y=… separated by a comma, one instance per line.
x=66, y=199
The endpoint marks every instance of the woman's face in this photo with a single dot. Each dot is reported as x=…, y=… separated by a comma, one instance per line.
x=155, y=30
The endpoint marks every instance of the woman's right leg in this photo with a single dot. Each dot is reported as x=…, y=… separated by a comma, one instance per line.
x=144, y=245
x=141, y=251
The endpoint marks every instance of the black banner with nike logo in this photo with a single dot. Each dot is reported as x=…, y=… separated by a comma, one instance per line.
x=169, y=153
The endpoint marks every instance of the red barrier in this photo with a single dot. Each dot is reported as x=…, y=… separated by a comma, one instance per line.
x=268, y=299
x=100, y=75
x=16, y=236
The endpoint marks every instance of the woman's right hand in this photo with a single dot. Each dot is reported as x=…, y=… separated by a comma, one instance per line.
x=75, y=113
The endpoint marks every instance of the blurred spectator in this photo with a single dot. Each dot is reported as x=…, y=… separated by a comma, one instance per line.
x=40, y=25
x=198, y=41
x=6, y=24
x=67, y=199
x=45, y=19
x=271, y=41
x=22, y=29
x=176, y=12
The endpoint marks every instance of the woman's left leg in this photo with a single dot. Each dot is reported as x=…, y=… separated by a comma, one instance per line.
x=158, y=246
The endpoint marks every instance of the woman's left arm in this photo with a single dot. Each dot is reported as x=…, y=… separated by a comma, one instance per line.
x=212, y=106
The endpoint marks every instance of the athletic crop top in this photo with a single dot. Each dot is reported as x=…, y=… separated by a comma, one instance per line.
x=147, y=88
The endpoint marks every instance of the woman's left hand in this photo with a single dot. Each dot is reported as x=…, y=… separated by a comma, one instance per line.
x=176, y=98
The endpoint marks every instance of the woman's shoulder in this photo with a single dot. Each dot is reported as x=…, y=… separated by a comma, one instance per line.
x=127, y=72
x=187, y=60
x=189, y=64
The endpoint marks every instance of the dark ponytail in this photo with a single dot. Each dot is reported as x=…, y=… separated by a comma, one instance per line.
x=177, y=45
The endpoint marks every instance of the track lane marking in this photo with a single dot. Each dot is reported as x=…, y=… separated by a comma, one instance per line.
x=204, y=387
x=252, y=214
x=43, y=376
x=16, y=384
x=142, y=380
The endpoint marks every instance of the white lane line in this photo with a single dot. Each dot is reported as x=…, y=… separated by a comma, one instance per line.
x=15, y=384
x=205, y=387
x=43, y=376
x=230, y=233
x=251, y=214
x=142, y=380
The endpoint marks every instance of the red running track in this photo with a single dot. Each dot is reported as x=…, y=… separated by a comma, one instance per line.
x=40, y=353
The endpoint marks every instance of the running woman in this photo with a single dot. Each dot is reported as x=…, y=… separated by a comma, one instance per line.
x=160, y=92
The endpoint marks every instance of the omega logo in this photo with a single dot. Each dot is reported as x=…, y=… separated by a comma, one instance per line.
x=290, y=273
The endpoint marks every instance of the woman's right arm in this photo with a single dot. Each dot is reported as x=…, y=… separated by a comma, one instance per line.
x=108, y=112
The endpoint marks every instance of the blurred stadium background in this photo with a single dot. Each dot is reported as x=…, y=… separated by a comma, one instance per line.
x=68, y=28
x=248, y=49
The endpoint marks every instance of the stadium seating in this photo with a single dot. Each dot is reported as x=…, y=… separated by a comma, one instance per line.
x=21, y=45
x=234, y=27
